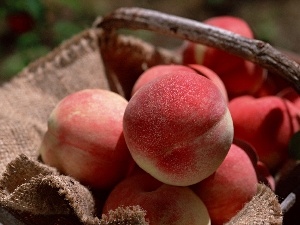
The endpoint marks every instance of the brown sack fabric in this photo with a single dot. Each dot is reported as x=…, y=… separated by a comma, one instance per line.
x=33, y=193
x=27, y=100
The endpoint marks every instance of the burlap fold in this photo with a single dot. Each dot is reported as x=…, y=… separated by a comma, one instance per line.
x=41, y=190
x=33, y=193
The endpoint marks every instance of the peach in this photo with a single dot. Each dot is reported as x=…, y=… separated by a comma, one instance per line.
x=164, y=204
x=85, y=138
x=156, y=71
x=267, y=123
x=232, y=185
x=238, y=75
x=178, y=128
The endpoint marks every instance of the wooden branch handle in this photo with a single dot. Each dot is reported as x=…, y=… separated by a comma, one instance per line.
x=256, y=51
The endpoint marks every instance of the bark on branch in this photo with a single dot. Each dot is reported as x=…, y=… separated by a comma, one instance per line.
x=254, y=50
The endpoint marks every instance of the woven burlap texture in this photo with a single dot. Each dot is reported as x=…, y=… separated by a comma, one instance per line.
x=33, y=193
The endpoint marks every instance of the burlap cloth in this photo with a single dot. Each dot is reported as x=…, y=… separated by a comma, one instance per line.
x=33, y=193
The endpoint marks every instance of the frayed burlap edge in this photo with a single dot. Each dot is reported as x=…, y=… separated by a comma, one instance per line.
x=125, y=215
x=41, y=190
x=263, y=209
x=47, y=195
x=65, y=54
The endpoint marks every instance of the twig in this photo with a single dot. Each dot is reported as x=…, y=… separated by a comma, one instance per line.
x=256, y=51
x=288, y=202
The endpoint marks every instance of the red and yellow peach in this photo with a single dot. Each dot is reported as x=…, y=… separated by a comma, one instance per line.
x=267, y=123
x=227, y=190
x=178, y=128
x=85, y=138
x=164, y=204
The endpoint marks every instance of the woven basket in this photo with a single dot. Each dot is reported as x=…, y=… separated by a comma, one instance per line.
x=33, y=193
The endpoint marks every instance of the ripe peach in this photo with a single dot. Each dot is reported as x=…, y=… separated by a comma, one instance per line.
x=164, y=204
x=238, y=75
x=267, y=123
x=232, y=185
x=178, y=128
x=85, y=138
x=157, y=71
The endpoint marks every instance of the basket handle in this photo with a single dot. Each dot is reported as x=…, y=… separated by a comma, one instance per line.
x=254, y=50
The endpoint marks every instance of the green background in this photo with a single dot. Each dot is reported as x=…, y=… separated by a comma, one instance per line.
x=54, y=21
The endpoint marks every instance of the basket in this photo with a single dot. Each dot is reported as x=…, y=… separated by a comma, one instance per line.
x=33, y=193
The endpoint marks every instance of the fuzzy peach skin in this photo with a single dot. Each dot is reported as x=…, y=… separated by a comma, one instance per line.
x=208, y=73
x=85, y=138
x=164, y=204
x=232, y=185
x=238, y=75
x=178, y=128
x=267, y=123
x=157, y=71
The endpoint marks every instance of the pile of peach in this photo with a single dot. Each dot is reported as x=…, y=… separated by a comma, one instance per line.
x=189, y=146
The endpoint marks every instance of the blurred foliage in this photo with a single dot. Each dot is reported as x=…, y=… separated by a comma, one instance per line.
x=31, y=28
